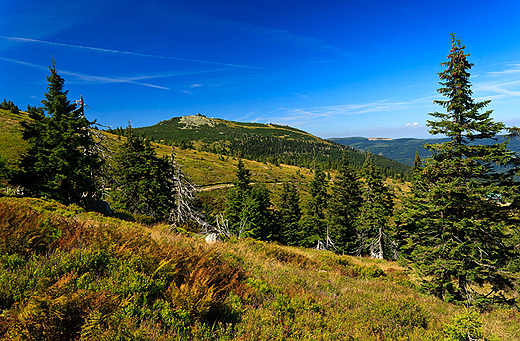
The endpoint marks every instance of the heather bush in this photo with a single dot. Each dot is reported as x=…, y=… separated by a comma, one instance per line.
x=99, y=278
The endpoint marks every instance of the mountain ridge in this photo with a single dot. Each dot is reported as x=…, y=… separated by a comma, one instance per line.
x=273, y=143
x=403, y=149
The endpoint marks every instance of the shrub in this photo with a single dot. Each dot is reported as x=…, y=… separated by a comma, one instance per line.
x=465, y=326
x=394, y=318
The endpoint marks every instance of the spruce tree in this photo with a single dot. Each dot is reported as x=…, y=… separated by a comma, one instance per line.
x=243, y=180
x=457, y=218
x=61, y=162
x=236, y=198
x=289, y=214
x=417, y=163
x=257, y=209
x=5, y=171
x=344, y=206
x=314, y=223
x=143, y=180
x=248, y=207
x=375, y=213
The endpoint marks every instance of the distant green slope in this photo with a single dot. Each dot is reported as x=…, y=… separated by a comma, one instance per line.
x=209, y=130
x=403, y=150
x=262, y=142
x=11, y=143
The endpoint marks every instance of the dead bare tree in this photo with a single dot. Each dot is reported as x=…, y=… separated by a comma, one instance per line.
x=222, y=231
x=328, y=245
x=383, y=247
x=182, y=192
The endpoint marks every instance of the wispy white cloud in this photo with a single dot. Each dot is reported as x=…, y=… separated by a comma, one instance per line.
x=512, y=68
x=130, y=80
x=259, y=119
x=355, y=109
x=340, y=120
x=98, y=49
x=501, y=84
x=20, y=62
x=85, y=77
x=106, y=80
x=190, y=91
x=501, y=90
x=414, y=125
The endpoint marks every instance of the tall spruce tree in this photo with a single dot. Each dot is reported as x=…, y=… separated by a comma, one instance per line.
x=143, y=180
x=236, y=199
x=248, y=207
x=375, y=213
x=314, y=223
x=457, y=218
x=417, y=163
x=344, y=207
x=289, y=214
x=5, y=171
x=61, y=161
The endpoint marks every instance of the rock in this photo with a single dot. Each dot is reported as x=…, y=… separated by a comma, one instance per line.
x=212, y=238
x=100, y=206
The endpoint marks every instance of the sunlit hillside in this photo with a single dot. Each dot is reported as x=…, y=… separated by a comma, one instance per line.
x=273, y=143
x=66, y=274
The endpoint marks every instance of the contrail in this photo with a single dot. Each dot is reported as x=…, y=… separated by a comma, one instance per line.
x=36, y=66
x=87, y=77
x=18, y=39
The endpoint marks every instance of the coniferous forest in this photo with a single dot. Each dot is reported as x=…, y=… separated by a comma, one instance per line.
x=103, y=235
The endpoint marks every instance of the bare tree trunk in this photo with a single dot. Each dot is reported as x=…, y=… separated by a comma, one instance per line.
x=464, y=289
x=182, y=197
x=381, y=244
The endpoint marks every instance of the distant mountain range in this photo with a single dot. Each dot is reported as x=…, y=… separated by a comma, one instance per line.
x=404, y=149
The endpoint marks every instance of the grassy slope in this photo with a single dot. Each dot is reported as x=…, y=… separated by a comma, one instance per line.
x=66, y=273
x=207, y=169
x=287, y=293
x=11, y=143
x=203, y=168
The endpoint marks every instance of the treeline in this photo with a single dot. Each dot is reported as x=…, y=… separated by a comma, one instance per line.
x=302, y=153
x=9, y=106
x=181, y=143
x=296, y=152
x=344, y=214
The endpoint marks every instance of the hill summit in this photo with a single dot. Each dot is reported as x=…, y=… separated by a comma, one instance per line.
x=272, y=143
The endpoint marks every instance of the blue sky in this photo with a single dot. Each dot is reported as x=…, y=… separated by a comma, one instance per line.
x=332, y=68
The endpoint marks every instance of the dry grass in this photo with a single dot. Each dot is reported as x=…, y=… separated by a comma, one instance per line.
x=11, y=144
x=100, y=278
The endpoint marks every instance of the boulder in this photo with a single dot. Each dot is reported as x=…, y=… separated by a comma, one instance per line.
x=100, y=206
x=212, y=238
